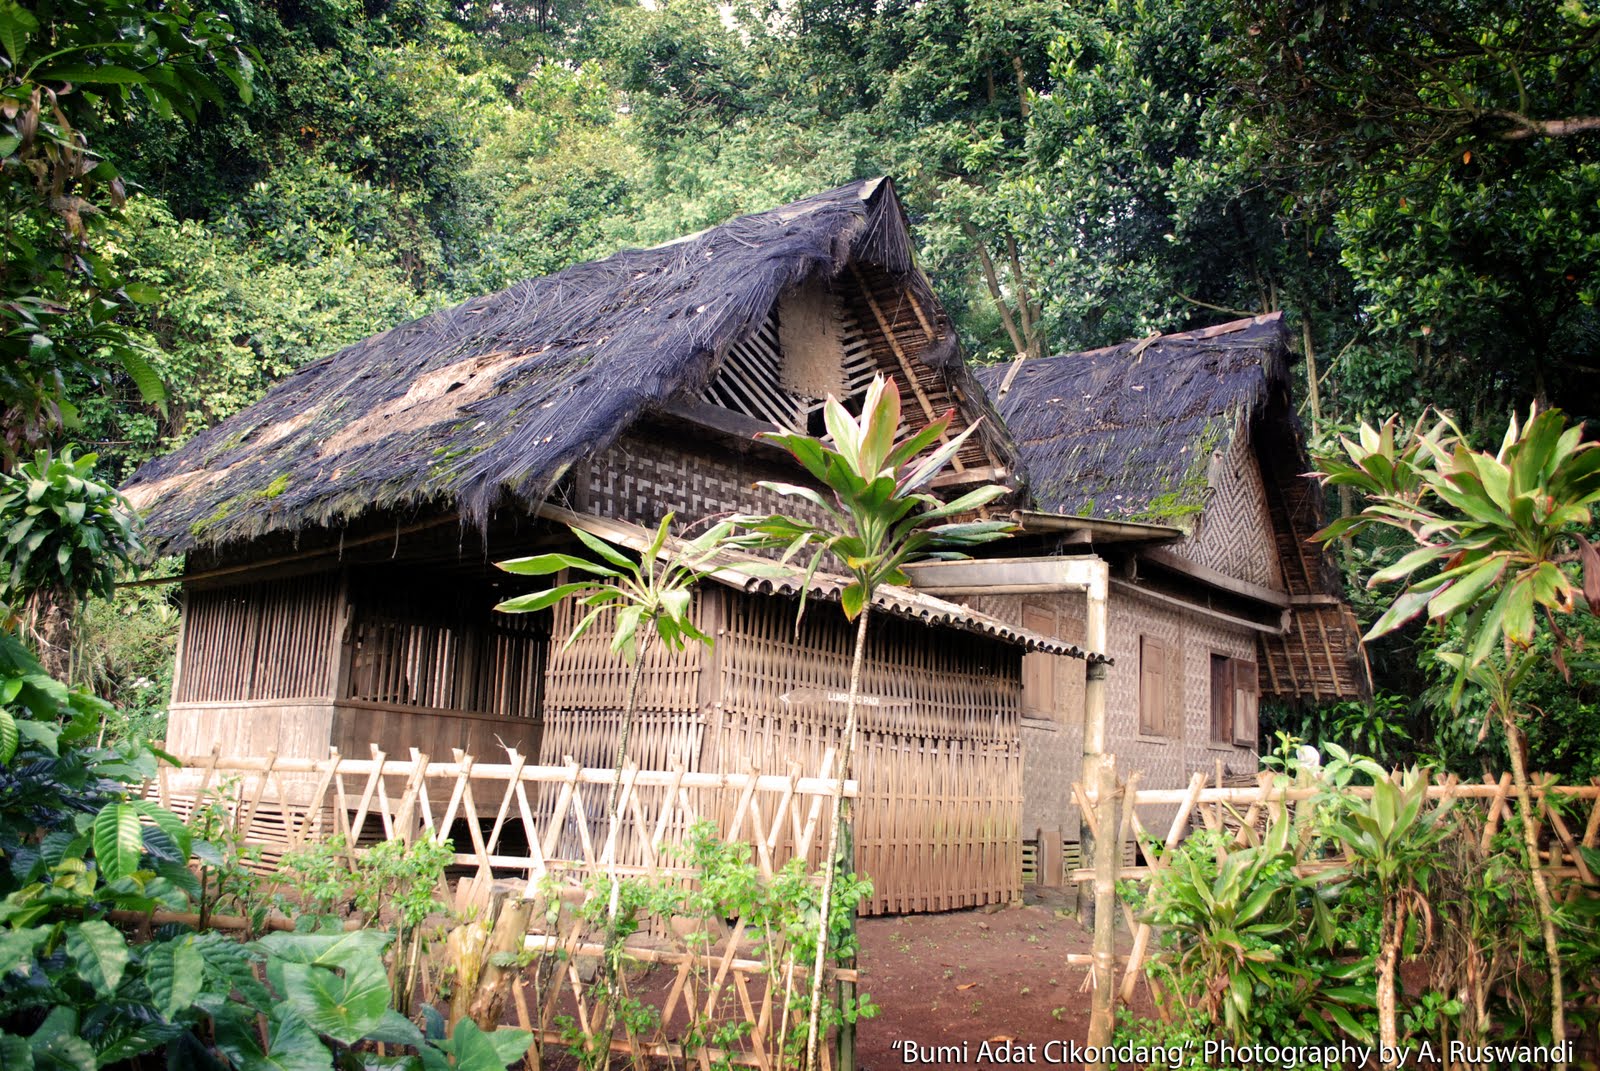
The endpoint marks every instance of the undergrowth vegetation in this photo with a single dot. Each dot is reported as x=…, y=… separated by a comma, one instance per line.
x=1379, y=917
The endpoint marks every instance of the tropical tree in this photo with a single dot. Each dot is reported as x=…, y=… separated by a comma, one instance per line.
x=66, y=69
x=1498, y=536
x=63, y=535
x=876, y=517
x=650, y=599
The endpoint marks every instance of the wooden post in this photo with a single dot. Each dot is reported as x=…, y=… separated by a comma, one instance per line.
x=1102, y=1006
x=1096, y=637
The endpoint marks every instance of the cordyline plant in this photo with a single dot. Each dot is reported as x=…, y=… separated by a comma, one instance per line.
x=877, y=518
x=651, y=597
x=1504, y=531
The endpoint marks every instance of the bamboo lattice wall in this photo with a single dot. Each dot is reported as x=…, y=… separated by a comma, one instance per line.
x=938, y=752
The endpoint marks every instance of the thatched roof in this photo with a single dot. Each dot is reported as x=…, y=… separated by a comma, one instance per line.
x=490, y=402
x=1128, y=431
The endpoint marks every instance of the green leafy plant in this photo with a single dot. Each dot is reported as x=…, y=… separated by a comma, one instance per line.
x=779, y=918
x=1391, y=839
x=1496, y=536
x=877, y=516
x=1255, y=945
x=394, y=884
x=648, y=599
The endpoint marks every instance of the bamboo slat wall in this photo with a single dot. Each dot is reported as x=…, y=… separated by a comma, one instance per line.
x=271, y=639
x=938, y=753
x=448, y=651
x=511, y=818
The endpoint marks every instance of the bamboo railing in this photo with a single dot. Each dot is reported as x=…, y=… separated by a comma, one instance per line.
x=547, y=827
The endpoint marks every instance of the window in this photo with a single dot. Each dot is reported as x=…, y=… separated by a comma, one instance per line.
x=1235, y=696
x=1041, y=673
x=1154, y=677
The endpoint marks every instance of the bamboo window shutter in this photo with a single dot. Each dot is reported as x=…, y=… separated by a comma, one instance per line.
x=1221, y=699
x=1154, y=674
x=1040, y=671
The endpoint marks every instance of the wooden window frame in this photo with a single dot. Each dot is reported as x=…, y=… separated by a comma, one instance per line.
x=1235, y=702
x=1246, y=704
x=1155, y=714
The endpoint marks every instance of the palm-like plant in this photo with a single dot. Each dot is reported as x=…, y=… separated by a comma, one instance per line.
x=651, y=599
x=1506, y=528
x=878, y=517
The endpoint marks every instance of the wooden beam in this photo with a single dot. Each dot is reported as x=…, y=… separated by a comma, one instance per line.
x=1195, y=608
x=1216, y=579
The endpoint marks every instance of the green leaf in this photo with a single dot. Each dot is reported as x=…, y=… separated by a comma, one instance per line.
x=15, y=1053
x=169, y=823
x=475, y=1050
x=852, y=599
x=396, y=1029
x=174, y=974
x=346, y=1008
x=602, y=548
x=541, y=600
x=117, y=841
x=17, y=24
x=56, y=1045
x=8, y=736
x=545, y=564
x=293, y=1046
x=328, y=950
x=16, y=949
x=100, y=953
x=141, y=293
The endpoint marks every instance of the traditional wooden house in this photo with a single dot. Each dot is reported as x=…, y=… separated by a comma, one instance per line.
x=1168, y=526
x=339, y=537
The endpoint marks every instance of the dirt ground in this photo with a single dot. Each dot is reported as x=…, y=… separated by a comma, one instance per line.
x=964, y=977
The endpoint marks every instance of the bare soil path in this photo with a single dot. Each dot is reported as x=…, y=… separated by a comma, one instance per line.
x=947, y=983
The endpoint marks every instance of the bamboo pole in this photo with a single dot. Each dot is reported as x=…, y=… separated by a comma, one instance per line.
x=1102, y=1008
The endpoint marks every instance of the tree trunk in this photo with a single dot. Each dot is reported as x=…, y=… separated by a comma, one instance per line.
x=628, y=705
x=1391, y=931
x=841, y=816
x=48, y=622
x=1541, y=889
x=1313, y=385
x=992, y=280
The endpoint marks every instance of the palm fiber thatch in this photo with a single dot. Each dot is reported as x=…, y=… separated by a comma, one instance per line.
x=492, y=401
x=1127, y=431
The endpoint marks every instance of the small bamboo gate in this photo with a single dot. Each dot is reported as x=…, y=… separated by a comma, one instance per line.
x=547, y=826
x=1114, y=807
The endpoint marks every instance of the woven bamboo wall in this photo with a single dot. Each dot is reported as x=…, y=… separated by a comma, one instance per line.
x=643, y=477
x=1234, y=535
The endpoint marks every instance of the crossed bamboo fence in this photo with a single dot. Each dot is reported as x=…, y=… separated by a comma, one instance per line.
x=548, y=827
x=1115, y=805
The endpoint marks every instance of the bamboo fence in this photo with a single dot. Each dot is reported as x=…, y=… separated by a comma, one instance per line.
x=1223, y=807
x=547, y=827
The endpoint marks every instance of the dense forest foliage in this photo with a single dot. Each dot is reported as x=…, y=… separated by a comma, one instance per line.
x=201, y=197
